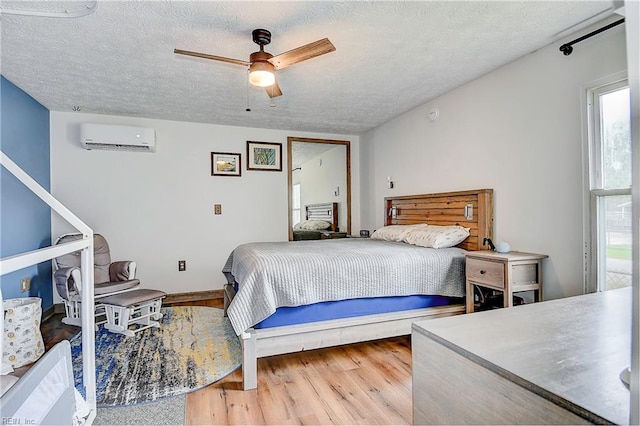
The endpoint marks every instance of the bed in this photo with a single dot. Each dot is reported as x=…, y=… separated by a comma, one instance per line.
x=322, y=213
x=268, y=319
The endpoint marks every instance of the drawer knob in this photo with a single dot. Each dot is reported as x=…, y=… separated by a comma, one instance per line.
x=482, y=272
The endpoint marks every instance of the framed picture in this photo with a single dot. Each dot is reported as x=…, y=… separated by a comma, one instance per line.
x=264, y=156
x=225, y=164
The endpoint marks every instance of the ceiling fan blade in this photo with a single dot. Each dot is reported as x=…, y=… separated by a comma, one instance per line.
x=302, y=53
x=215, y=58
x=274, y=90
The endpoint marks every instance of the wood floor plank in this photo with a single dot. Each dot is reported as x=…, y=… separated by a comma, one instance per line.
x=355, y=401
x=204, y=410
x=241, y=407
x=314, y=402
x=392, y=366
x=392, y=398
x=338, y=359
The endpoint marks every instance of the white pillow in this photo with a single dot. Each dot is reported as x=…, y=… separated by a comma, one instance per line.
x=435, y=236
x=394, y=232
x=313, y=225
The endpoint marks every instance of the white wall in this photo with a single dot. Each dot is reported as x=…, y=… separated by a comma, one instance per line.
x=517, y=130
x=321, y=176
x=157, y=208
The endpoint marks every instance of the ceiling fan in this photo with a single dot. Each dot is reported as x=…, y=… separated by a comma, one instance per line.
x=262, y=65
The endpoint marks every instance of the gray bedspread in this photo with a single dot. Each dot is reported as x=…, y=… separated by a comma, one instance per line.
x=272, y=275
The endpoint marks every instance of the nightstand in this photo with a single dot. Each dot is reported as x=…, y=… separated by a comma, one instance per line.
x=506, y=272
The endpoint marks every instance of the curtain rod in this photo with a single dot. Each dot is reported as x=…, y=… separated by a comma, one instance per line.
x=567, y=48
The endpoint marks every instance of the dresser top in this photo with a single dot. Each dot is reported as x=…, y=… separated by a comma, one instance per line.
x=570, y=351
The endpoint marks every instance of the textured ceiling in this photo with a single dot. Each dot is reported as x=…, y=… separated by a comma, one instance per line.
x=303, y=152
x=390, y=56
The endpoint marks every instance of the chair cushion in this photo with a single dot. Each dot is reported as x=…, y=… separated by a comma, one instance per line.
x=101, y=257
x=111, y=287
x=132, y=298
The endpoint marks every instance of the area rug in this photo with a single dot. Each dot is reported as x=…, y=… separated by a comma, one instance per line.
x=194, y=347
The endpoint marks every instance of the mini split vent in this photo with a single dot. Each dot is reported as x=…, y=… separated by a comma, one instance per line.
x=117, y=138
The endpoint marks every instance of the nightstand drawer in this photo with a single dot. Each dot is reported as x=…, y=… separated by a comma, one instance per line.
x=485, y=272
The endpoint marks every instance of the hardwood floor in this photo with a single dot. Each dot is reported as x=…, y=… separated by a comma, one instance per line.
x=364, y=383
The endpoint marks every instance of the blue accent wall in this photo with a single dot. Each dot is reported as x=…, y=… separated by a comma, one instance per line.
x=25, y=220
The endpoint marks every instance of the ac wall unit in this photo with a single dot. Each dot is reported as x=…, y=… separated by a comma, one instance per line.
x=115, y=137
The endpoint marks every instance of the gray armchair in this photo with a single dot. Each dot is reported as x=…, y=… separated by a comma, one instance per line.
x=109, y=277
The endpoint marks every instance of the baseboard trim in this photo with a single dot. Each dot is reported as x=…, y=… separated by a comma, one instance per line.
x=193, y=296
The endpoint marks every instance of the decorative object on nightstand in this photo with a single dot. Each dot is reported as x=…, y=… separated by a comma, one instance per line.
x=487, y=241
x=503, y=247
x=506, y=272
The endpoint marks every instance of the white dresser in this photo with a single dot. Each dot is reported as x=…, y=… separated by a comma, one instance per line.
x=555, y=362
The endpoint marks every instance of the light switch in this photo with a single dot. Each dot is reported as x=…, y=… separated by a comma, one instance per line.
x=217, y=209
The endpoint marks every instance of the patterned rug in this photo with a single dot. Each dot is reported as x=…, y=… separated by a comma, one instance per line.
x=194, y=347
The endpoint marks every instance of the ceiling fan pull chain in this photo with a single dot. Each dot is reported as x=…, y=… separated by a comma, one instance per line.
x=247, y=80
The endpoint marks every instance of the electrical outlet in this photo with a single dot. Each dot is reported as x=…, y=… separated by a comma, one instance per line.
x=182, y=265
x=25, y=284
x=217, y=209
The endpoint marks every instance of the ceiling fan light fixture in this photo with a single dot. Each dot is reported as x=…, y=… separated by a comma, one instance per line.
x=262, y=65
x=262, y=74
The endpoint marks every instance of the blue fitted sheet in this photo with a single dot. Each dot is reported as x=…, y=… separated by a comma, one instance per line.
x=323, y=311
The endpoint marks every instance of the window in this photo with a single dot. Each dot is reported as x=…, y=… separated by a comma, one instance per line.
x=610, y=186
x=296, y=204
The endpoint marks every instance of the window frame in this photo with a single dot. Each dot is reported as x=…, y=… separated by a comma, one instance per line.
x=295, y=209
x=595, y=192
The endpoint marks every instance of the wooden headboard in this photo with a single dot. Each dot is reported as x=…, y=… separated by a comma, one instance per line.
x=471, y=209
x=323, y=211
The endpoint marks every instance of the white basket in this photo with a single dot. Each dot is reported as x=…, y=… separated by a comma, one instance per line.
x=22, y=340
